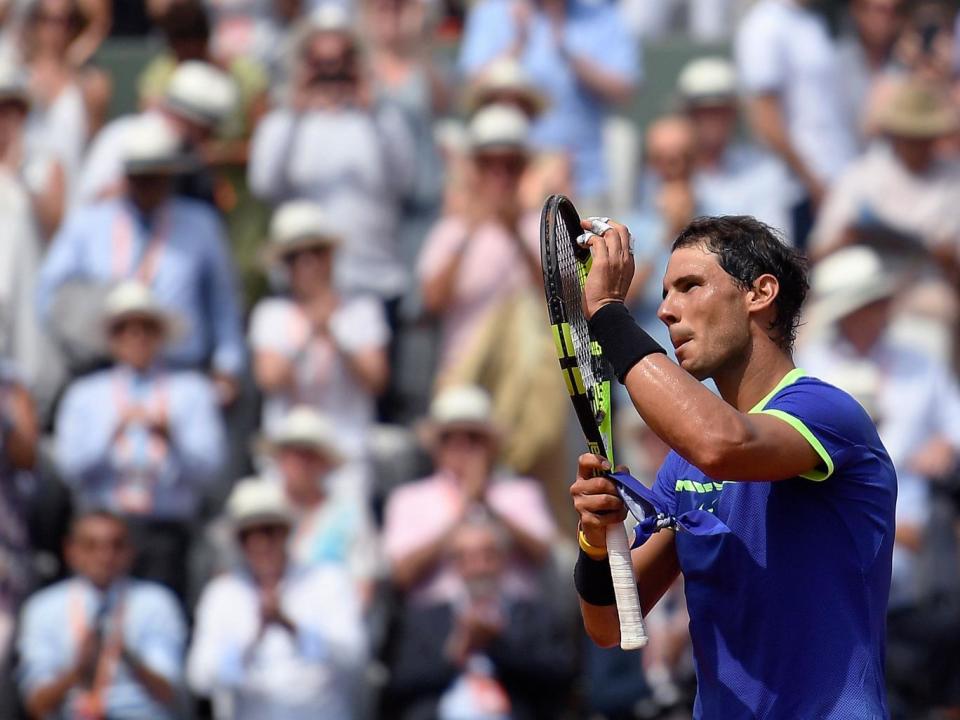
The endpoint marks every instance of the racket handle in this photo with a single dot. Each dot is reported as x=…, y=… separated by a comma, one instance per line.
x=633, y=634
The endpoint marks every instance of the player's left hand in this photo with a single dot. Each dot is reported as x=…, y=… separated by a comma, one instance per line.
x=613, y=266
x=596, y=499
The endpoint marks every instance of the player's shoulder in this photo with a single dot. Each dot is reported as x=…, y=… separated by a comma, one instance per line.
x=813, y=400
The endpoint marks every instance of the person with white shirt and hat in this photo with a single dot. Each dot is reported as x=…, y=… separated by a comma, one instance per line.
x=274, y=639
x=140, y=438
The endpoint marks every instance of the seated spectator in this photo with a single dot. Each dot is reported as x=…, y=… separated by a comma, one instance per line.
x=582, y=79
x=141, y=438
x=472, y=261
x=902, y=183
x=483, y=654
x=463, y=441
x=101, y=644
x=331, y=144
x=274, y=639
x=197, y=99
x=173, y=245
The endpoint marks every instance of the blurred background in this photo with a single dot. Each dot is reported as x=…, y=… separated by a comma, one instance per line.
x=281, y=432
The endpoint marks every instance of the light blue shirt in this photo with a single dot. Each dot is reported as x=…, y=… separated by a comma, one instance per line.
x=594, y=31
x=192, y=273
x=127, y=471
x=54, y=620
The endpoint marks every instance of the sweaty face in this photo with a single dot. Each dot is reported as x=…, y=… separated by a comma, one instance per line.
x=705, y=312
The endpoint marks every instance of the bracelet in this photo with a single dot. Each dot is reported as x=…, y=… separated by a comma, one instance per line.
x=593, y=580
x=624, y=342
x=594, y=552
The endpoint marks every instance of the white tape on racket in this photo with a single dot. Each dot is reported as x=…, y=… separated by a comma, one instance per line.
x=633, y=635
x=598, y=226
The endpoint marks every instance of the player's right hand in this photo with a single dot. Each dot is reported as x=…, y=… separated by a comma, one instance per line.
x=595, y=499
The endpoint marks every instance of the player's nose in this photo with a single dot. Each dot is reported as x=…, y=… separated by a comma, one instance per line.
x=668, y=313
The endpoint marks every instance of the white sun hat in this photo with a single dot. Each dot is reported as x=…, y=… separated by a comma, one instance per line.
x=708, y=81
x=305, y=427
x=846, y=281
x=152, y=146
x=257, y=501
x=201, y=92
x=133, y=299
x=298, y=225
x=499, y=127
x=505, y=76
x=466, y=406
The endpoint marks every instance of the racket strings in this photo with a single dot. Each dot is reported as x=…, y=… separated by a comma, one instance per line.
x=573, y=275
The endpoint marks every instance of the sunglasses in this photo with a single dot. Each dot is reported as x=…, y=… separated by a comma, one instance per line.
x=143, y=327
x=472, y=437
x=512, y=164
x=269, y=531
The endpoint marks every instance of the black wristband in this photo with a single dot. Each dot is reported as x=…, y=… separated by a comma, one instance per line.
x=624, y=342
x=593, y=580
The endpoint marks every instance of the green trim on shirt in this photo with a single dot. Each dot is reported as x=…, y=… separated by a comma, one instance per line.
x=789, y=379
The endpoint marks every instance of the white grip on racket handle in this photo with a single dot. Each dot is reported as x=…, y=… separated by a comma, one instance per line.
x=633, y=634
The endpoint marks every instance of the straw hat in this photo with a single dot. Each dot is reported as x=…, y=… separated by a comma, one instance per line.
x=304, y=427
x=505, y=76
x=331, y=17
x=917, y=110
x=299, y=225
x=151, y=146
x=462, y=407
x=707, y=81
x=133, y=299
x=13, y=83
x=848, y=280
x=257, y=501
x=498, y=127
x=201, y=93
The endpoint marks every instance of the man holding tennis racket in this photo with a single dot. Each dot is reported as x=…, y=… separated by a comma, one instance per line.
x=787, y=610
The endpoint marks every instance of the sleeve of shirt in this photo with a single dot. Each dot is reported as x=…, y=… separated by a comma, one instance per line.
x=197, y=429
x=222, y=299
x=41, y=645
x=440, y=246
x=64, y=261
x=619, y=51
x=758, y=52
x=360, y=324
x=84, y=431
x=269, y=328
x=332, y=631
x=215, y=659
x=827, y=418
x=270, y=151
x=160, y=640
x=488, y=33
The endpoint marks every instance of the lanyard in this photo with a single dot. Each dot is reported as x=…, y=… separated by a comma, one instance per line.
x=140, y=452
x=90, y=703
x=124, y=263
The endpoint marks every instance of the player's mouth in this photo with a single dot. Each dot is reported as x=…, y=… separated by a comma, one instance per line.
x=679, y=342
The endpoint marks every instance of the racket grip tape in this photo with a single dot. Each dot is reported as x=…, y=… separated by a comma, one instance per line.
x=633, y=634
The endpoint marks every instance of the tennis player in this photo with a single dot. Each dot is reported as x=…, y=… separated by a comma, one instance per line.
x=787, y=610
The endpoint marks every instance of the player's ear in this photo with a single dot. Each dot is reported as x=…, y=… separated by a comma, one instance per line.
x=763, y=293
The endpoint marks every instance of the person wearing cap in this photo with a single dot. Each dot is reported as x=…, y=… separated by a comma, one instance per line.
x=197, y=100
x=140, y=438
x=421, y=516
x=901, y=181
x=274, y=638
x=472, y=261
x=330, y=143
x=174, y=245
x=101, y=644
x=583, y=57
x=318, y=345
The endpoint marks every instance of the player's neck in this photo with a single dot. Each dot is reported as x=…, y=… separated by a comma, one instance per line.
x=746, y=383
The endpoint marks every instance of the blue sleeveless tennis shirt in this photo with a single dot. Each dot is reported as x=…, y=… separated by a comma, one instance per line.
x=788, y=610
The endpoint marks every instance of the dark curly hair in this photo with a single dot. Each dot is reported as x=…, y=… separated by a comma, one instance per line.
x=746, y=249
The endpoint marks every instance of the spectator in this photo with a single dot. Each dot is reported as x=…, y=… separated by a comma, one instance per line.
x=472, y=261
x=903, y=182
x=706, y=21
x=319, y=347
x=173, y=245
x=274, y=639
x=788, y=67
x=484, y=654
x=198, y=98
x=463, y=441
x=731, y=177
x=255, y=29
x=581, y=79
x=140, y=438
x=101, y=644
x=331, y=144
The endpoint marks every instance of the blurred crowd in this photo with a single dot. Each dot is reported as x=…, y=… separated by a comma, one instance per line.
x=281, y=431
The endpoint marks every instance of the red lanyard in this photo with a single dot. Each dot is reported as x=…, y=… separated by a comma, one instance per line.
x=90, y=704
x=135, y=490
x=124, y=265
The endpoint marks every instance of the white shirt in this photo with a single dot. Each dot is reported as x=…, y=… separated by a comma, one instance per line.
x=784, y=48
x=103, y=166
x=322, y=375
x=59, y=132
x=294, y=678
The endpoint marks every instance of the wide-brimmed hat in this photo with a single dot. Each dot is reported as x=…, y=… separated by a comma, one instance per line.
x=299, y=225
x=132, y=299
x=501, y=77
x=846, y=281
x=201, y=93
x=304, y=427
x=152, y=147
x=13, y=83
x=497, y=128
x=461, y=407
x=707, y=81
x=258, y=501
x=918, y=110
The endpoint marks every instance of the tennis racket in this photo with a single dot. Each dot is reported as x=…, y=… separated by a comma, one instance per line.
x=588, y=377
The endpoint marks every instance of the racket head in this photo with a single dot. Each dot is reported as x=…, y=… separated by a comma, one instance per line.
x=586, y=372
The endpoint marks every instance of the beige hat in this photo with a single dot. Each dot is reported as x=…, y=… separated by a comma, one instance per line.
x=498, y=127
x=258, y=501
x=846, y=281
x=707, y=81
x=151, y=146
x=298, y=225
x=133, y=299
x=201, y=92
x=918, y=110
x=305, y=427
x=331, y=17
x=505, y=76
x=13, y=82
x=461, y=407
